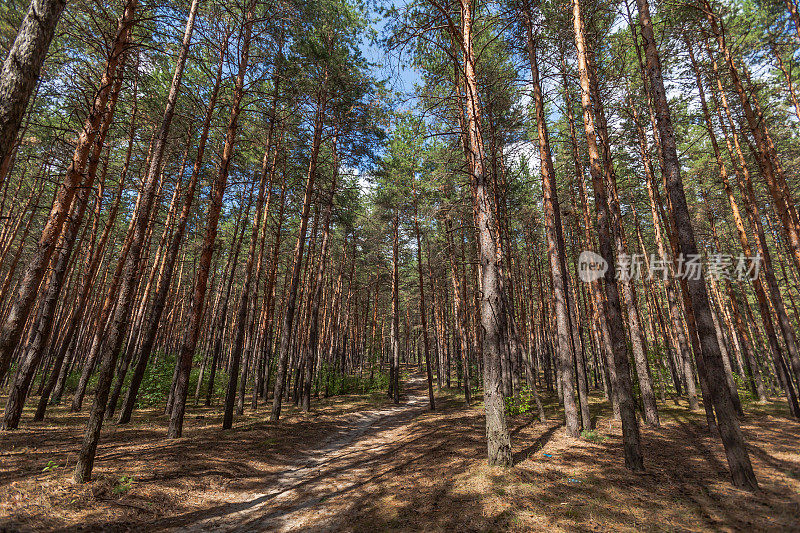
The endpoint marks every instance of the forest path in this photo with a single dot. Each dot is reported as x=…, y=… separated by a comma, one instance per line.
x=312, y=490
x=360, y=464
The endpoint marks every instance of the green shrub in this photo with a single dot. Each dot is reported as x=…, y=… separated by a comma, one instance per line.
x=157, y=380
x=520, y=403
x=592, y=435
x=351, y=384
x=123, y=485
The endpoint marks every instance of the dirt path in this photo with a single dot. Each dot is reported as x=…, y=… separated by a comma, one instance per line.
x=309, y=494
x=359, y=464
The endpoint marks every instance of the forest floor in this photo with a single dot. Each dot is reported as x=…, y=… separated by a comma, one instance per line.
x=361, y=463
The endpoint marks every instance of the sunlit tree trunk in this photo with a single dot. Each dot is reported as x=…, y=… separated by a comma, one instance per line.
x=192, y=330
x=555, y=249
x=423, y=311
x=33, y=352
x=492, y=300
x=294, y=280
x=27, y=289
x=611, y=308
x=763, y=297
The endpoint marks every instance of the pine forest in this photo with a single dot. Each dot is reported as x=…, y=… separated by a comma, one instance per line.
x=400, y=265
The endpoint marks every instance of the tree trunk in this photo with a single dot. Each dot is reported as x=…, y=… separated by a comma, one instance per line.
x=732, y=439
x=43, y=325
x=612, y=308
x=291, y=297
x=22, y=66
x=28, y=287
x=423, y=311
x=394, y=332
x=555, y=247
x=492, y=299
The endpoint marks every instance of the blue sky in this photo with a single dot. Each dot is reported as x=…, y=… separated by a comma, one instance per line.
x=401, y=77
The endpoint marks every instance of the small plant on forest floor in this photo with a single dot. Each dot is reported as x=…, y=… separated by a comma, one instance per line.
x=521, y=403
x=50, y=466
x=593, y=436
x=123, y=485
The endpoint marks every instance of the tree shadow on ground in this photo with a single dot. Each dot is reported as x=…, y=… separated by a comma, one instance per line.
x=415, y=470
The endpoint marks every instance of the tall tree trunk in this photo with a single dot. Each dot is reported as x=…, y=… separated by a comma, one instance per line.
x=732, y=439
x=423, y=311
x=192, y=332
x=22, y=67
x=246, y=295
x=34, y=351
x=313, y=348
x=165, y=279
x=638, y=346
x=460, y=312
x=492, y=299
x=394, y=331
x=612, y=308
x=291, y=297
x=555, y=247
x=763, y=297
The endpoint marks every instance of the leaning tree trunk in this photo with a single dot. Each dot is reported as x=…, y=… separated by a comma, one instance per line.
x=313, y=348
x=751, y=207
x=28, y=287
x=165, y=282
x=742, y=234
x=44, y=323
x=22, y=66
x=294, y=281
x=118, y=326
x=555, y=248
x=192, y=333
x=241, y=320
x=732, y=439
x=165, y=276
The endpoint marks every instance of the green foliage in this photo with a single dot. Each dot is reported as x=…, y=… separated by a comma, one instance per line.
x=592, y=435
x=743, y=387
x=72, y=381
x=123, y=485
x=51, y=465
x=335, y=382
x=521, y=403
x=157, y=381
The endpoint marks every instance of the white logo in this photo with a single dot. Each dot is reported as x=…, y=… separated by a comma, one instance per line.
x=591, y=266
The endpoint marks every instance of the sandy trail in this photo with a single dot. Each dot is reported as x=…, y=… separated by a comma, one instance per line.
x=309, y=493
